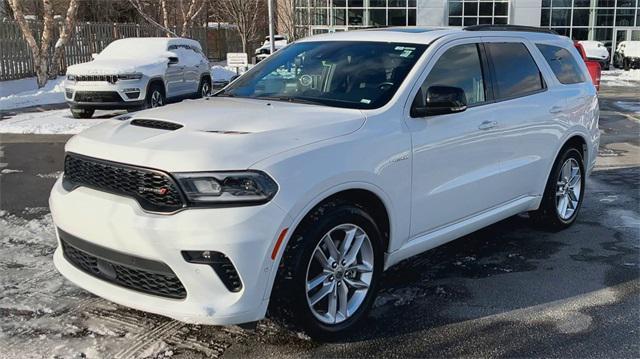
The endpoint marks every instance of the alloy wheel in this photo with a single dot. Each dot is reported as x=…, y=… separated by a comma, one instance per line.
x=339, y=273
x=206, y=89
x=156, y=99
x=568, y=189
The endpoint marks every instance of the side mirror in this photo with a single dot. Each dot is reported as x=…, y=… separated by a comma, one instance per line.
x=94, y=55
x=441, y=100
x=173, y=60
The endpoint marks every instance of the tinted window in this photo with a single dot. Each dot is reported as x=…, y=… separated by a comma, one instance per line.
x=459, y=66
x=562, y=63
x=516, y=73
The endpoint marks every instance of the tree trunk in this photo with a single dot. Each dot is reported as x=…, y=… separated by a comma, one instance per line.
x=65, y=35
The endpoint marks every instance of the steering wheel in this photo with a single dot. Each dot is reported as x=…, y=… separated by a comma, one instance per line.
x=385, y=85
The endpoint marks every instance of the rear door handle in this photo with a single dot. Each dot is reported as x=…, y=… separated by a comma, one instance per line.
x=487, y=125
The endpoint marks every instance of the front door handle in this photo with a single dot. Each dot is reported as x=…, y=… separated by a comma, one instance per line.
x=487, y=125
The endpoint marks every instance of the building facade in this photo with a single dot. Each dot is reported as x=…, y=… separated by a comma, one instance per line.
x=609, y=21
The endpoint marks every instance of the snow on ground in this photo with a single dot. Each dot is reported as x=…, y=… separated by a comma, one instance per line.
x=25, y=93
x=633, y=107
x=220, y=73
x=618, y=77
x=50, y=122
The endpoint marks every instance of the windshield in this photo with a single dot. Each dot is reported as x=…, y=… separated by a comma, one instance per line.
x=362, y=75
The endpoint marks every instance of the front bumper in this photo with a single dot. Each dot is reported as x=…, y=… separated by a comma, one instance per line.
x=103, y=95
x=245, y=234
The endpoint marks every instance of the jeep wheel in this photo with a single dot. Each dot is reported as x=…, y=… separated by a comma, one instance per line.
x=204, y=90
x=155, y=97
x=82, y=112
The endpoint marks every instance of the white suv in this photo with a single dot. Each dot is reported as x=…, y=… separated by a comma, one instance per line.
x=136, y=73
x=298, y=184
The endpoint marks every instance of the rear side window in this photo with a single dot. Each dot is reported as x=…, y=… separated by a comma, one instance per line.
x=516, y=73
x=562, y=63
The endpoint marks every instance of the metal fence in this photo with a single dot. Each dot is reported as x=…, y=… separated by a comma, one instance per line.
x=16, y=61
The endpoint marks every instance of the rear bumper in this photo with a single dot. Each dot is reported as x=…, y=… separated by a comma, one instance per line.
x=246, y=235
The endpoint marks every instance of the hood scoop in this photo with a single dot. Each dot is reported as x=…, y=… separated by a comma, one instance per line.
x=160, y=125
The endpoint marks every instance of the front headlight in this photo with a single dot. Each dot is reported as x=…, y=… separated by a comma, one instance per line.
x=210, y=188
x=134, y=76
x=71, y=77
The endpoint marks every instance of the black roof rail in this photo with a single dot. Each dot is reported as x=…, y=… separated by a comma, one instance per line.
x=509, y=28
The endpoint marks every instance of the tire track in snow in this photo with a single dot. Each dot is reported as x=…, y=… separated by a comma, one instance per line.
x=143, y=340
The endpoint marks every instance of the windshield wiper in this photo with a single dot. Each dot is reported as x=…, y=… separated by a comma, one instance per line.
x=291, y=99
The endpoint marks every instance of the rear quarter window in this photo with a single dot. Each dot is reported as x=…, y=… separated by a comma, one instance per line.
x=562, y=63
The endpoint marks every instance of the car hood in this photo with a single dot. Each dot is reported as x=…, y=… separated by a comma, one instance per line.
x=217, y=133
x=113, y=66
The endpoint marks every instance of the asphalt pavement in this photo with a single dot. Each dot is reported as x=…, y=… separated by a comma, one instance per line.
x=508, y=290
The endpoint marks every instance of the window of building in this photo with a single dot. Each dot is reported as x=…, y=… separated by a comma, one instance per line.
x=562, y=63
x=459, y=66
x=473, y=12
x=516, y=73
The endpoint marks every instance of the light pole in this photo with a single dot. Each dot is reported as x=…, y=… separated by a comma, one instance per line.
x=272, y=45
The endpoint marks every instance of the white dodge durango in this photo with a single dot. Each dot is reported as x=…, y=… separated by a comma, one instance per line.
x=292, y=189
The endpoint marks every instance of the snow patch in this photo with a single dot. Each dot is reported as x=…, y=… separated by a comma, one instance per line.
x=24, y=93
x=49, y=122
x=55, y=174
x=6, y=171
x=629, y=78
x=629, y=106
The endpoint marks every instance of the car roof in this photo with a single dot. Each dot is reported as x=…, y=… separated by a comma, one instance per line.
x=160, y=40
x=425, y=35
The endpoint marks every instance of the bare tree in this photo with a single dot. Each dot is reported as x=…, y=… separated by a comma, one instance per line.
x=46, y=68
x=245, y=14
x=286, y=18
x=188, y=10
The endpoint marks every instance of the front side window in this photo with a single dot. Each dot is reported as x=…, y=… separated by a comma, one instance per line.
x=562, y=63
x=350, y=74
x=459, y=66
x=516, y=72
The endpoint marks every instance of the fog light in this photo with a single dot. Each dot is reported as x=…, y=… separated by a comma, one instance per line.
x=221, y=265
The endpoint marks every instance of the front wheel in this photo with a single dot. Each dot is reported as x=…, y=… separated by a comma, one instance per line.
x=155, y=97
x=564, y=192
x=329, y=273
x=82, y=112
x=204, y=89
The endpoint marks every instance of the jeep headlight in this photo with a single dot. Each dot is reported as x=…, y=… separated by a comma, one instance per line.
x=241, y=187
x=133, y=76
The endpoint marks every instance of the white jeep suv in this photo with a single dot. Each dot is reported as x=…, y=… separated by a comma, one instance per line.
x=299, y=183
x=136, y=73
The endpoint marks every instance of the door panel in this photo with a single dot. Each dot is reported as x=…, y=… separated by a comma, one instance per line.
x=174, y=77
x=456, y=157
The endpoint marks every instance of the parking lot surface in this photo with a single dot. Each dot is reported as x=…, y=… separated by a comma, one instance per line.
x=509, y=290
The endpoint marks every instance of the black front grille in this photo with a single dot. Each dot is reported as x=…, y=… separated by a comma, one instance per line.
x=154, y=190
x=131, y=272
x=161, y=125
x=109, y=78
x=98, y=96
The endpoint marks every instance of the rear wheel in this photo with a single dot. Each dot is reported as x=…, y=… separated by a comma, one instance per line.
x=329, y=273
x=564, y=192
x=82, y=112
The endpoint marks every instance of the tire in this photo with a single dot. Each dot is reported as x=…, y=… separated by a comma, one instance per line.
x=204, y=89
x=550, y=215
x=82, y=112
x=292, y=304
x=155, y=96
